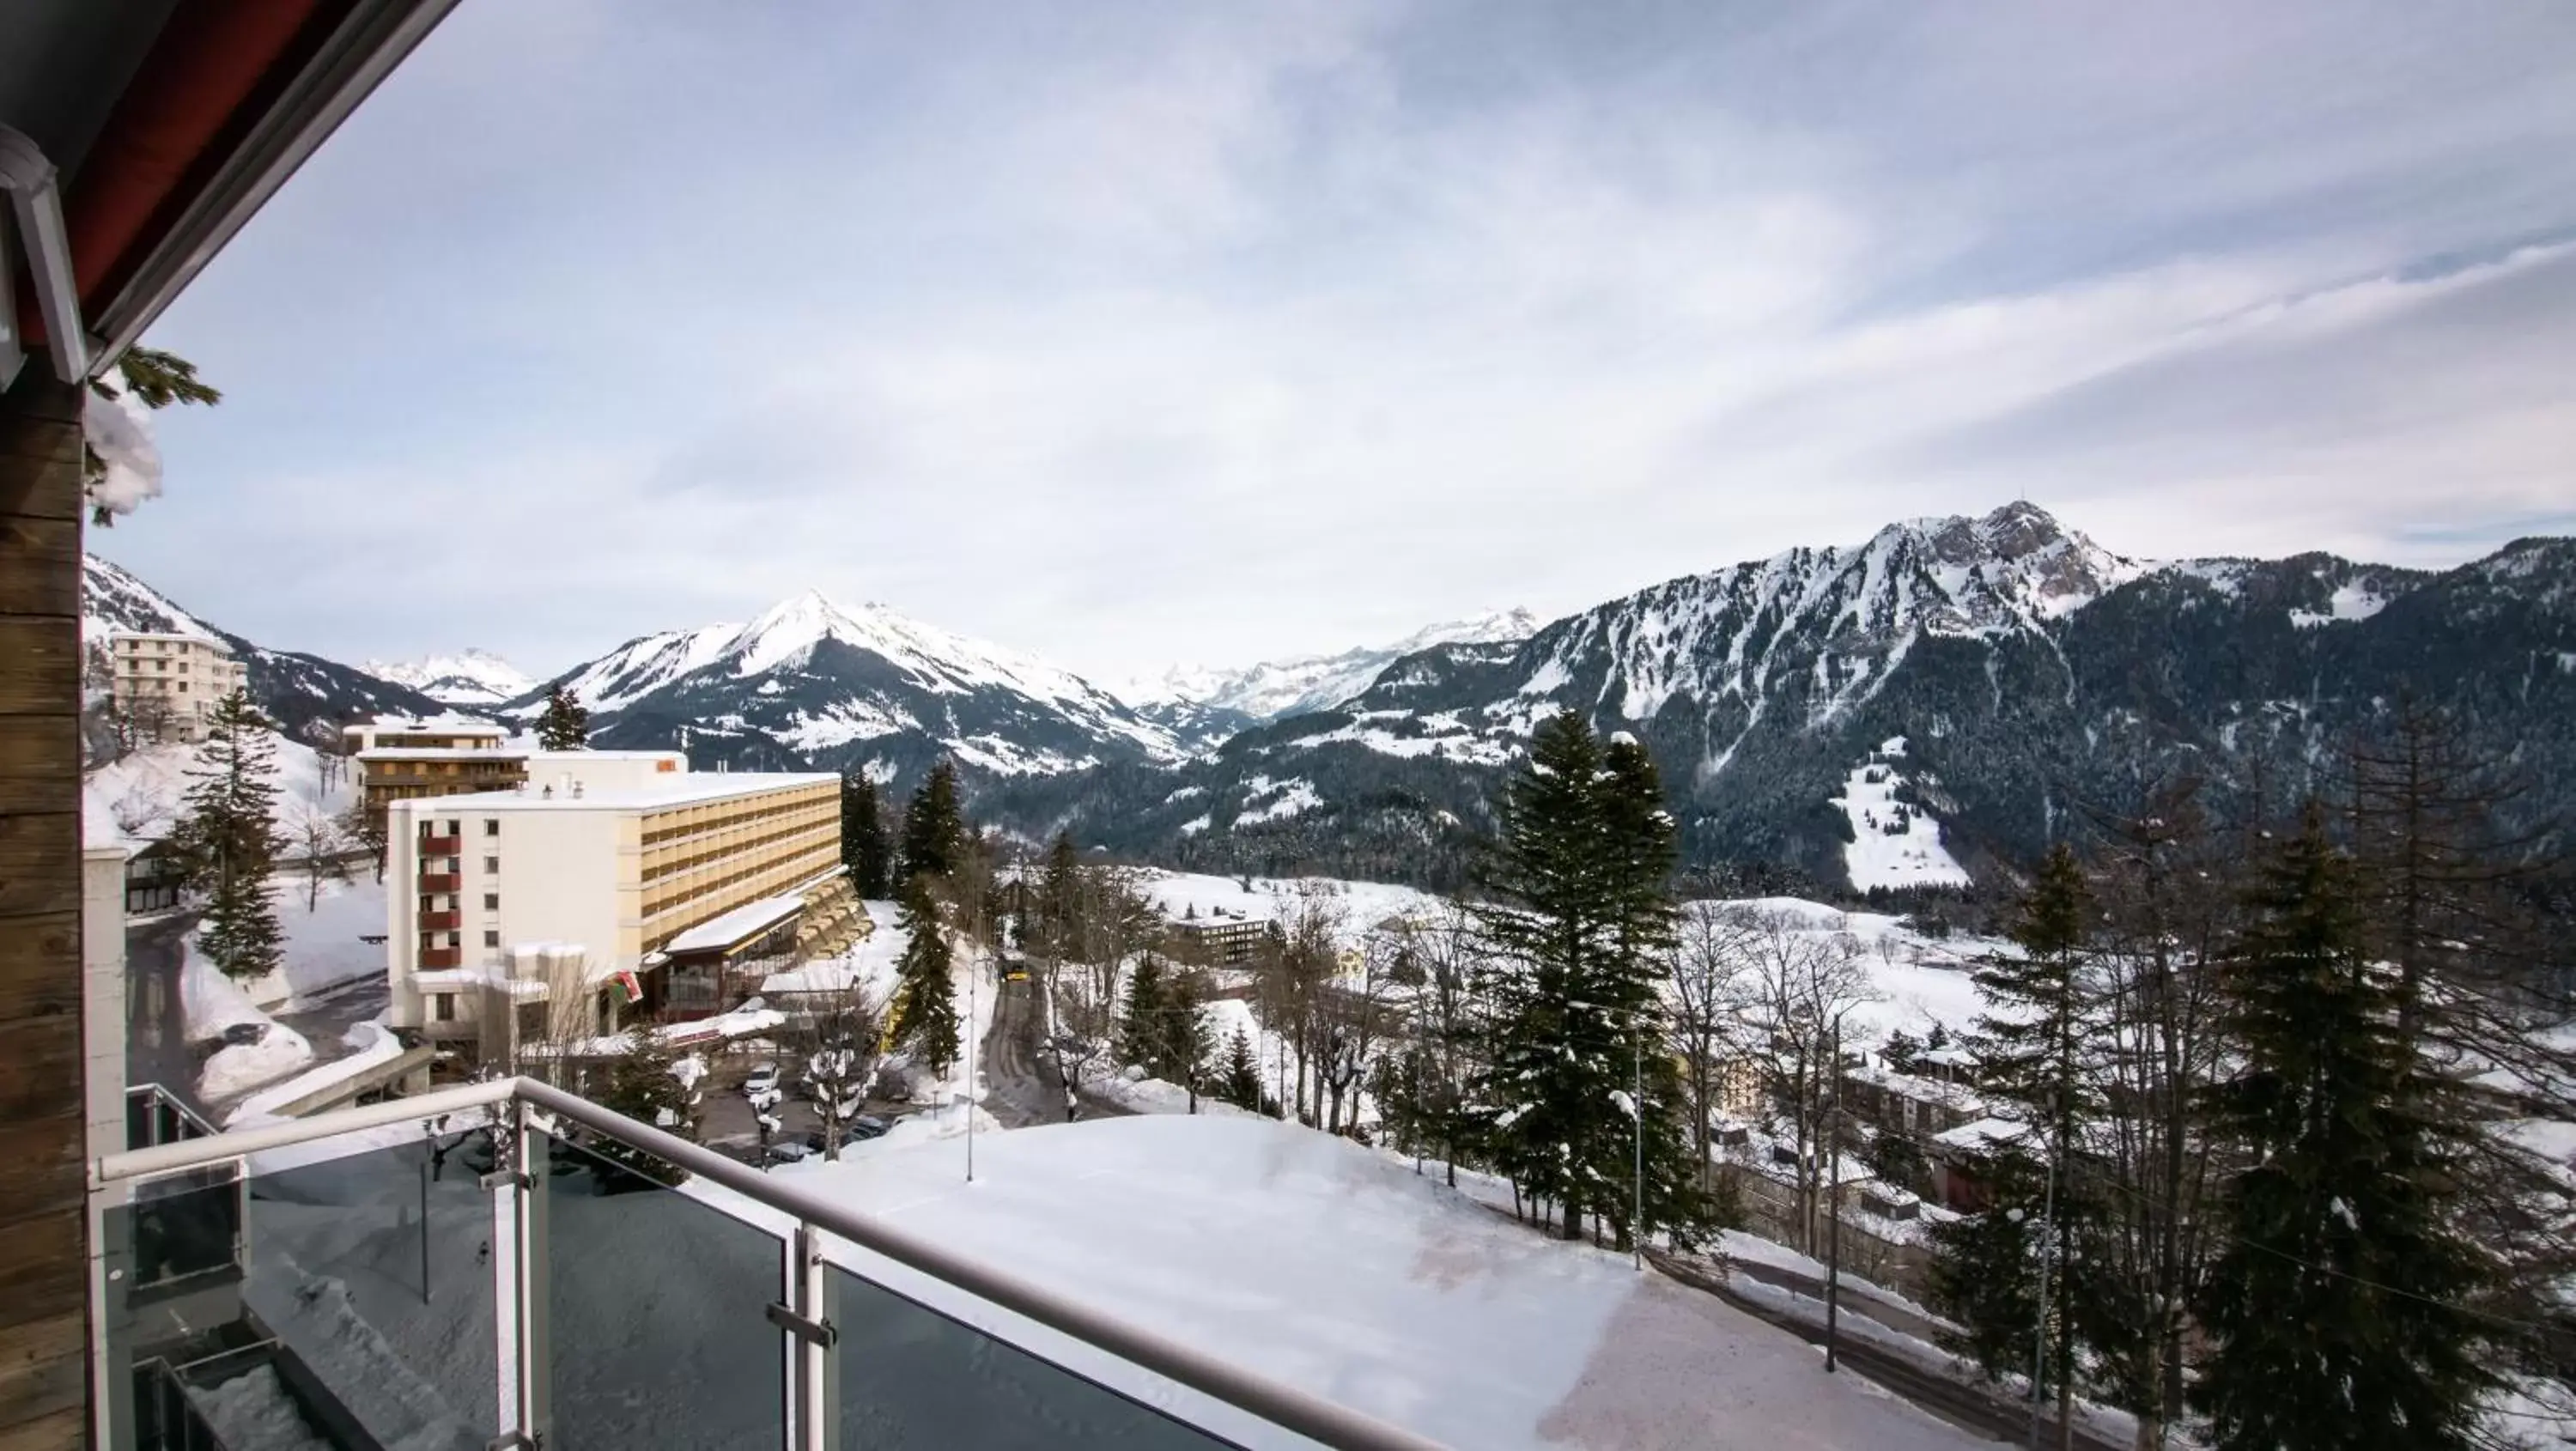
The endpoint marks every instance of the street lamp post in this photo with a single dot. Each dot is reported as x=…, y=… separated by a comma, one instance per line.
x=1834, y=1202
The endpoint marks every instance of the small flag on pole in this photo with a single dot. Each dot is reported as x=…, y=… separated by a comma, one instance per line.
x=631, y=986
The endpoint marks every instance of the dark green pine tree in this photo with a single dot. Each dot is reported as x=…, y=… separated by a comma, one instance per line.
x=641, y=1086
x=1240, y=1083
x=1582, y=910
x=1058, y=896
x=925, y=997
x=1984, y=1273
x=1140, y=1027
x=934, y=829
x=1639, y=841
x=228, y=843
x=1548, y=1082
x=2336, y=1311
x=2039, y=1020
x=864, y=848
x=564, y=725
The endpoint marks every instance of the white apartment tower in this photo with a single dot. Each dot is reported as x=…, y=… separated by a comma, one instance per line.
x=168, y=684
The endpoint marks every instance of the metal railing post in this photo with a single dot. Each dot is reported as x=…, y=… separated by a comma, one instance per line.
x=519, y=1281
x=804, y=1316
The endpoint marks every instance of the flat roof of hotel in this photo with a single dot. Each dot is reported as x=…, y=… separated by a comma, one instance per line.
x=681, y=789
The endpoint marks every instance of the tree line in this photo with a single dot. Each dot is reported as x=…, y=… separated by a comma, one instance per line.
x=2278, y=1078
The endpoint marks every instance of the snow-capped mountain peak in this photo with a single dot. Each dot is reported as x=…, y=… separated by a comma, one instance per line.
x=1277, y=688
x=813, y=680
x=468, y=677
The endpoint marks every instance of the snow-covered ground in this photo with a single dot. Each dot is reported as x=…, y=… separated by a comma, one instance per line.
x=1893, y=844
x=1918, y=981
x=373, y=1046
x=1338, y=1271
x=137, y=799
x=213, y=1004
x=1363, y=904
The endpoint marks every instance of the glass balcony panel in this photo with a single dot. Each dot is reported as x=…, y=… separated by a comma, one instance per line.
x=912, y=1379
x=340, y=1294
x=657, y=1313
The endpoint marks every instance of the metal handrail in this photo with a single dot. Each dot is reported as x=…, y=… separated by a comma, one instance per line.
x=1281, y=1405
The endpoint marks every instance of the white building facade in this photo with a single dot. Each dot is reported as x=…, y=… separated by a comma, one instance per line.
x=583, y=873
x=168, y=685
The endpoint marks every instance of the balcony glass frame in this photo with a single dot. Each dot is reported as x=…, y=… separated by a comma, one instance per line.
x=823, y=1244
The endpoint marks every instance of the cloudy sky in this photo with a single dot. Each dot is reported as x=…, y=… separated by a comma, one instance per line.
x=1139, y=333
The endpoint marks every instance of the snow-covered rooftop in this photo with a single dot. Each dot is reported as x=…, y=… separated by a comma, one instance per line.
x=727, y=928
x=1346, y=1274
x=686, y=788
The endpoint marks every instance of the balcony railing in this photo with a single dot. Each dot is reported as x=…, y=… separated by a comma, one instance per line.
x=438, y=881
x=440, y=845
x=440, y=921
x=507, y=1264
x=433, y=959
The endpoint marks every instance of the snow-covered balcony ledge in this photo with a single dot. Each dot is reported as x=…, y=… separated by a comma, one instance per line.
x=504, y=1263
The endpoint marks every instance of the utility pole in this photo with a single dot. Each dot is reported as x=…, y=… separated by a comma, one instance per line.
x=2039, y=1348
x=1834, y=1200
x=1637, y=1115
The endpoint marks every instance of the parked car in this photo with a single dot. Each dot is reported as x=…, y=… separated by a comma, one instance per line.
x=243, y=1035
x=761, y=1084
x=865, y=1126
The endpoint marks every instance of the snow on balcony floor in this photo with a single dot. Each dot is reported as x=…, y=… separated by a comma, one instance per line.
x=1338, y=1272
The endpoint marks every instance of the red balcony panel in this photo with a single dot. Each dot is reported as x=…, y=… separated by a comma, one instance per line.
x=440, y=921
x=441, y=845
x=438, y=881
x=433, y=958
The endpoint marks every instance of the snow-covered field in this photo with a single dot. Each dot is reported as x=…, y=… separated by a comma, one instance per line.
x=1363, y=904
x=1340, y=1272
x=1893, y=845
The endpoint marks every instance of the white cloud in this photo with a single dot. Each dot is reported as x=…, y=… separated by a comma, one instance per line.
x=1131, y=334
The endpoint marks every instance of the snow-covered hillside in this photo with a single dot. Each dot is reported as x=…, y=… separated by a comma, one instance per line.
x=469, y=677
x=814, y=681
x=1895, y=844
x=295, y=689
x=136, y=799
x=1277, y=688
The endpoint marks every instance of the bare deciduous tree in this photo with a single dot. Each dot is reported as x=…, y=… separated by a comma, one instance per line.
x=1714, y=995
x=1804, y=981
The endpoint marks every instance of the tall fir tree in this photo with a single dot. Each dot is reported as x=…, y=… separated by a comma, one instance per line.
x=1140, y=1026
x=2033, y=1038
x=228, y=841
x=865, y=850
x=2335, y=1312
x=1984, y=1274
x=1579, y=879
x=564, y=725
x=1240, y=1082
x=934, y=828
x=925, y=997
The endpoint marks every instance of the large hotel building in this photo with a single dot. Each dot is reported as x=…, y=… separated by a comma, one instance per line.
x=608, y=863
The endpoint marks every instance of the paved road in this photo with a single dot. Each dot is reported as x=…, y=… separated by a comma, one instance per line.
x=156, y=1029
x=1021, y=1086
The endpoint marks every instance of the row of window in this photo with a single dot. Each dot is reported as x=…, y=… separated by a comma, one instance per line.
x=453, y=827
x=659, y=870
x=428, y=942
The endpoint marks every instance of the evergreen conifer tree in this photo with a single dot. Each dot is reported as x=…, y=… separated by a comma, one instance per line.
x=2032, y=1041
x=228, y=841
x=864, y=848
x=925, y=998
x=1581, y=877
x=565, y=723
x=1240, y=1084
x=642, y=1086
x=1141, y=1035
x=1985, y=1266
x=2335, y=1312
x=934, y=830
